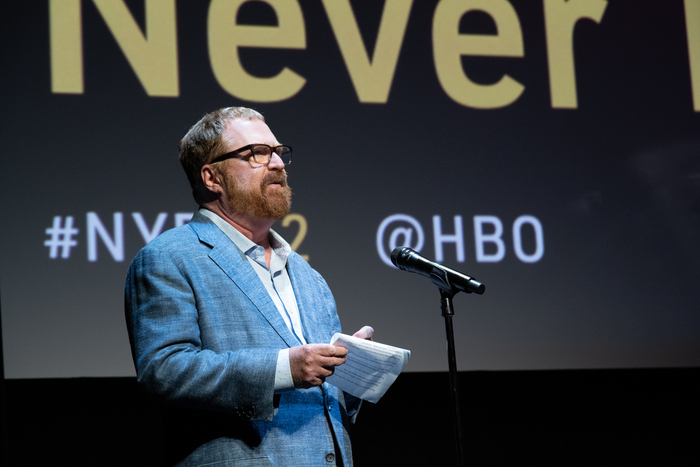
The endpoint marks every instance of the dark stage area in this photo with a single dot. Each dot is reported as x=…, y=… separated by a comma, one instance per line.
x=571, y=417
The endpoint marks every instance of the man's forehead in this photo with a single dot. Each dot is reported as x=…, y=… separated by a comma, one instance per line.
x=242, y=132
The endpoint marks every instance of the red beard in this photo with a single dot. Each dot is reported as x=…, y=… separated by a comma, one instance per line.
x=263, y=202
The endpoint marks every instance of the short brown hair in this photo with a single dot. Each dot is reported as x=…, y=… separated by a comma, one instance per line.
x=203, y=141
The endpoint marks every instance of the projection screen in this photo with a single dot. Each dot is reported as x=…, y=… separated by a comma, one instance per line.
x=551, y=149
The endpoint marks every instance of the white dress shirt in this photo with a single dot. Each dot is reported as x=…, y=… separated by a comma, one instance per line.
x=277, y=283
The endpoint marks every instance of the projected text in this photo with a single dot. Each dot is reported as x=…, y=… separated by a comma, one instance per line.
x=153, y=53
x=489, y=245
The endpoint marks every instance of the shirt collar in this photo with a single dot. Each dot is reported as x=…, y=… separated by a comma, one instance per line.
x=280, y=248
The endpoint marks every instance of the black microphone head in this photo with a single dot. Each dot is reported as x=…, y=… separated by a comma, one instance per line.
x=407, y=259
x=396, y=253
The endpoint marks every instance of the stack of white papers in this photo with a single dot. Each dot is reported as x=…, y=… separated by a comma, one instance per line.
x=370, y=367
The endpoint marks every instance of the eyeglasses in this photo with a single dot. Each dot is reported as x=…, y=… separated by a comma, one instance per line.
x=258, y=153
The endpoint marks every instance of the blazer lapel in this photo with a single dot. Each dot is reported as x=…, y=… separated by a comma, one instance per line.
x=235, y=265
x=311, y=307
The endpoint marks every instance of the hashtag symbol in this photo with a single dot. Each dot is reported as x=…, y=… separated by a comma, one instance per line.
x=61, y=237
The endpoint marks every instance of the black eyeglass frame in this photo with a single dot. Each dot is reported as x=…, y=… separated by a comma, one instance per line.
x=273, y=149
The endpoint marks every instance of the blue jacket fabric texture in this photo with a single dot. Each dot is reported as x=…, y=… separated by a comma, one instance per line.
x=205, y=336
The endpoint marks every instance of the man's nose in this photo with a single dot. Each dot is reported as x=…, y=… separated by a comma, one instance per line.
x=275, y=162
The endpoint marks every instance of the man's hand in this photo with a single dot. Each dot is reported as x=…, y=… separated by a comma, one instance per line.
x=365, y=333
x=311, y=364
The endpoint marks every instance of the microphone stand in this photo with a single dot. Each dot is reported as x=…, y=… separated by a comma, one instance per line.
x=447, y=313
x=447, y=291
x=449, y=282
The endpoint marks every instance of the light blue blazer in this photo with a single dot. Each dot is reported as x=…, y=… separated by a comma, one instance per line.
x=205, y=336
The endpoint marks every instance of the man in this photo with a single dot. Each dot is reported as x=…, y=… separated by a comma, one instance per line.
x=229, y=328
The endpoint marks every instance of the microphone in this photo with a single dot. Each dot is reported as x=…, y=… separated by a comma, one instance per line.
x=447, y=279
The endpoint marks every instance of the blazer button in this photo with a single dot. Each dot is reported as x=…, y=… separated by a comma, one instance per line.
x=248, y=414
x=330, y=457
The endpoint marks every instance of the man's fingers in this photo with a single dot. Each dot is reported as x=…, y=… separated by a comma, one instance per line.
x=339, y=351
x=311, y=364
x=330, y=362
x=366, y=332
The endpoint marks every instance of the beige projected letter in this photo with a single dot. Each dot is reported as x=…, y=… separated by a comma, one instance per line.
x=225, y=37
x=560, y=18
x=692, y=25
x=153, y=56
x=449, y=46
x=66, y=47
x=372, y=78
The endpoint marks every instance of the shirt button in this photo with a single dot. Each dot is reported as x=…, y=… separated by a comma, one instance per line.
x=330, y=457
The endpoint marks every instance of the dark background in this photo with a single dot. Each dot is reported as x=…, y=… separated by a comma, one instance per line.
x=594, y=343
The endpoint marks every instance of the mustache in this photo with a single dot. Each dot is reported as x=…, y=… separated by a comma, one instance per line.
x=275, y=177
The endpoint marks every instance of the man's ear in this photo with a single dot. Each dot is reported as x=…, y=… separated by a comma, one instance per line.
x=211, y=179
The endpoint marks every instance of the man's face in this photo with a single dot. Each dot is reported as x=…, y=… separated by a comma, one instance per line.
x=259, y=192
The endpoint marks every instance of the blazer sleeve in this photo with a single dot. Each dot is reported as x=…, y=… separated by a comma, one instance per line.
x=172, y=365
